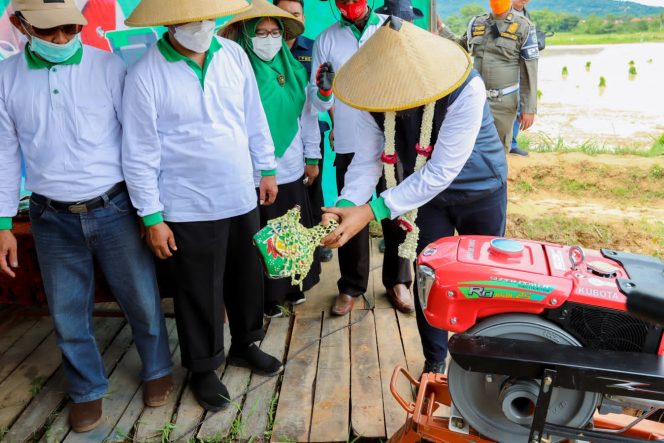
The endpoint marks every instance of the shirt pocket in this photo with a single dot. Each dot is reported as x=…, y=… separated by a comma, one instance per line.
x=97, y=123
x=507, y=47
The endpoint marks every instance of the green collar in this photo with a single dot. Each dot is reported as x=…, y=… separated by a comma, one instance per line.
x=36, y=62
x=172, y=55
x=373, y=20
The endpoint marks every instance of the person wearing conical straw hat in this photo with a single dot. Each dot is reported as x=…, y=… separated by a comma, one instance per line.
x=60, y=111
x=302, y=49
x=333, y=47
x=426, y=108
x=282, y=82
x=194, y=135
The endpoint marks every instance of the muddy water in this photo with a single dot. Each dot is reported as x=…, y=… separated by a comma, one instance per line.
x=628, y=112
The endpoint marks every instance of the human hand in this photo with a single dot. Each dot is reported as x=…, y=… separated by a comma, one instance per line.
x=161, y=240
x=8, y=253
x=331, y=136
x=311, y=172
x=325, y=78
x=351, y=221
x=267, y=190
x=527, y=121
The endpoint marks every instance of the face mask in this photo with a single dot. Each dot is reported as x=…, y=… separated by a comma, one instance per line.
x=195, y=36
x=53, y=52
x=266, y=48
x=353, y=11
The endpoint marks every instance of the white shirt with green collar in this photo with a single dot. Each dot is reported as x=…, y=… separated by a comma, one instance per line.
x=336, y=45
x=65, y=121
x=194, y=136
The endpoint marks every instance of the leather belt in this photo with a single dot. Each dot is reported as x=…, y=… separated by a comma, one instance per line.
x=83, y=206
x=497, y=93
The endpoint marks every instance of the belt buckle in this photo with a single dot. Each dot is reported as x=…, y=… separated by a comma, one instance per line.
x=493, y=93
x=77, y=209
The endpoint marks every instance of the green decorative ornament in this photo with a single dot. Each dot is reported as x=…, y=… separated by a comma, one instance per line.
x=287, y=248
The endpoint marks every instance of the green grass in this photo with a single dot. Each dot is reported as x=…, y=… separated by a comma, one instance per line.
x=37, y=385
x=3, y=432
x=568, y=38
x=524, y=187
x=544, y=143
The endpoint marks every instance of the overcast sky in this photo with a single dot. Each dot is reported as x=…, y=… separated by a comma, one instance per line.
x=650, y=2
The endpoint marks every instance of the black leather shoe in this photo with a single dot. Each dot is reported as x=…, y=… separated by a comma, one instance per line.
x=519, y=151
x=436, y=367
x=252, y=357
x=209, y=391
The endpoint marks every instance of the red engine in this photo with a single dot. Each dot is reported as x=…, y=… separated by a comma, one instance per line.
x=464, y=279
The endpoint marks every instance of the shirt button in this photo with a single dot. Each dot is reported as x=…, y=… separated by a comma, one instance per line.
x=56, y=91
x=54, y=69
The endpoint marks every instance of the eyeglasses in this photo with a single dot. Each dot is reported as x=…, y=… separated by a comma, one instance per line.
x=275, y=33
x=49, y=32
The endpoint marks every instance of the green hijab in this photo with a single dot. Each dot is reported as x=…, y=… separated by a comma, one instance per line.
x=282, y=85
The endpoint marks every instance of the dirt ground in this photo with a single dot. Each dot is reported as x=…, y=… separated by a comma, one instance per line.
x=611, y=201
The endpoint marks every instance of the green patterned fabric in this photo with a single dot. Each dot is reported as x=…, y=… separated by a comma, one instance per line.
x=287, y=248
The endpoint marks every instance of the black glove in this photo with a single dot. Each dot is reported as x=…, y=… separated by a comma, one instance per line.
x=324, y=78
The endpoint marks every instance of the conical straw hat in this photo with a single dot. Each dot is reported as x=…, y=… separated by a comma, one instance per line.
x=262, y=8
x=401, y=67
x=174, y=12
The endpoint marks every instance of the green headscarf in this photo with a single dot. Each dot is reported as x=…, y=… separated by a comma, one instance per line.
x=282, y=85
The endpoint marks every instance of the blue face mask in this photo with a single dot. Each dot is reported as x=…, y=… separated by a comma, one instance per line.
x=52, y=52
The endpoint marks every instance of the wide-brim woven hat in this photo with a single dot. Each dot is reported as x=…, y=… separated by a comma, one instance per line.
x=262, y=8
x=175, y=12
x=401, y=67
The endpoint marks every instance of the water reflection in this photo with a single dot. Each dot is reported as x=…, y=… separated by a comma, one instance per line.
x=625, y=113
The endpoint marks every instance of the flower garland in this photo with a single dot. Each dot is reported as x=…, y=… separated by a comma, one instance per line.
x=407, y=222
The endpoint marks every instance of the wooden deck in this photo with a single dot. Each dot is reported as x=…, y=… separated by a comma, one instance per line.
x=335, y=390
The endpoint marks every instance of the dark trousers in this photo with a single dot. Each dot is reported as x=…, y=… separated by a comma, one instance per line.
x=354, y=255
x=396, y=270
x=216, y=267
x=290, y=195
x=482, y=217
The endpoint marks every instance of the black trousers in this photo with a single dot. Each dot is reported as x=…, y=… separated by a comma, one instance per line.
x=486, y=216
x=395, y=269
x=290, y=195
x=216, y=267
x=354, y=255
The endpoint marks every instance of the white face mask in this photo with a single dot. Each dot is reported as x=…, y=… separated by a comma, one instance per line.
x=195, y=36
x=266, y=48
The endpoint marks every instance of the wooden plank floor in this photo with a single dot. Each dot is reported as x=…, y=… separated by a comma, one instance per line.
x=335, y=387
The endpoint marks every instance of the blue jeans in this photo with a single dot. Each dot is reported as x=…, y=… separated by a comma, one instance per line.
x=487, y=216
x=517, y=123
x=67, y=245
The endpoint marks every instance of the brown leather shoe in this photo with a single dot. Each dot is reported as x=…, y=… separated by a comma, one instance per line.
x=156, y=392
x=343, y=304
x=401, y=298
x=84, y=417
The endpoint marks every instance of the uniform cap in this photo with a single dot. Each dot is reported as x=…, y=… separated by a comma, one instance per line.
x=175, y=12
x=401, y=67
x=500, y=6
x=262, y=8
x=46, y=14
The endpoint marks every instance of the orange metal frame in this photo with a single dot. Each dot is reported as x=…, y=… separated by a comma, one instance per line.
x=432, y=391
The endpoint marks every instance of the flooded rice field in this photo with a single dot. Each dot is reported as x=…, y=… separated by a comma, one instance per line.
x=628, y=111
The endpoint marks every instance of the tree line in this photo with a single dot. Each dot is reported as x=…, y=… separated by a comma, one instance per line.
x=551, y=21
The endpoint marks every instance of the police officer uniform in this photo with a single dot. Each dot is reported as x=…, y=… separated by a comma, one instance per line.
x=506, y=55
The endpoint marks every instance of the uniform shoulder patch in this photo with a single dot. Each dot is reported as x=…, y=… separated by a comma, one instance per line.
x=529, y=49
x=513, y=28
